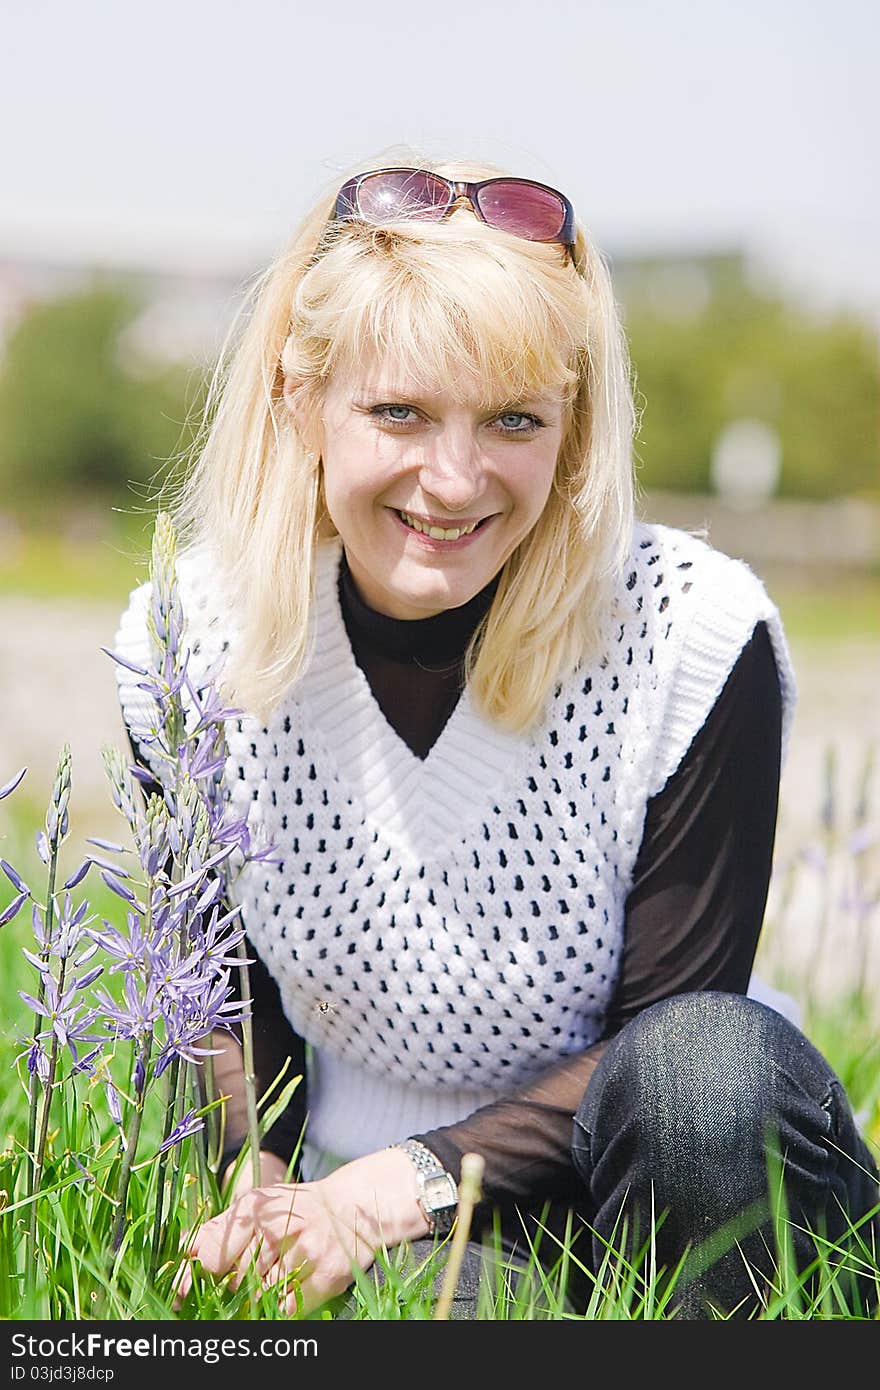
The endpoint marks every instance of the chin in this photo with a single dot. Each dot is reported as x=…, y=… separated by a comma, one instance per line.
x=428, y=599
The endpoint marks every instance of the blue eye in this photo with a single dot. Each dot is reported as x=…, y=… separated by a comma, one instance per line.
x=383, y=413
x=529, y=422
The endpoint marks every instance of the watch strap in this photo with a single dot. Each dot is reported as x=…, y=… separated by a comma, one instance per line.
x=437, y=1188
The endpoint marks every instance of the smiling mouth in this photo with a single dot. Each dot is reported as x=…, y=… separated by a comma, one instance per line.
x=439, y=533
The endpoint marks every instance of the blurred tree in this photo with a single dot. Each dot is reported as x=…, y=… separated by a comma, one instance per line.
x=735, y=352
x=79, y=420
x=83, y=419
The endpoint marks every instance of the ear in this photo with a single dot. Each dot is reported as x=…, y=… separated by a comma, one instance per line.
x=300, y=405
x=292, y=392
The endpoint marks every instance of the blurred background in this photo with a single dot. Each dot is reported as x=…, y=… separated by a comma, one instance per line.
x=723, y=156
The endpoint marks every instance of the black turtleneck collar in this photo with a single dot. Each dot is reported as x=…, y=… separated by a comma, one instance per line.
x=428, y=641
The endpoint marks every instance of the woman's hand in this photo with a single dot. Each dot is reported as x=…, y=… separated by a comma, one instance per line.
x=308, y=1237
x=272, y=1170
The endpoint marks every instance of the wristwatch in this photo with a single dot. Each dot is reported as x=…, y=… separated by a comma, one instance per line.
x=437, y=1190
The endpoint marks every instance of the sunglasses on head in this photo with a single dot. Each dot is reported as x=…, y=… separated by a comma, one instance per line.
x=519, y=206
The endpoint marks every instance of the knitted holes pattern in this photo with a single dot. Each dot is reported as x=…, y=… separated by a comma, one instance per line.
x=459, y=920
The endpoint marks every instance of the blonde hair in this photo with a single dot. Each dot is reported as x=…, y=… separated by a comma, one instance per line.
x=524, y=319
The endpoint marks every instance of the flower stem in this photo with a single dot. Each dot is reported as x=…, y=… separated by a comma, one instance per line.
x=132, y=1142
x=472, y=1166
x=40, y=1154
x=176, y=1161
x=171, y=1107
x=213, y=1120
x=35, y=1080
x=250, y=1080
x=35, y=1166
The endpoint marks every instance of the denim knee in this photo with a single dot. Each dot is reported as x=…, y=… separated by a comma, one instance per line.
x=688, y=1097
x=676, y=1134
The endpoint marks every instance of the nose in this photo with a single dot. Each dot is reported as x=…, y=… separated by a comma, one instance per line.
x=453, y=472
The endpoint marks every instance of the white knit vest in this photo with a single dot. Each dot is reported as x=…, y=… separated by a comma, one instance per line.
x=443, y=929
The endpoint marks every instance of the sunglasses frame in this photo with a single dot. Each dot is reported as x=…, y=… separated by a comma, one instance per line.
x=348, y=201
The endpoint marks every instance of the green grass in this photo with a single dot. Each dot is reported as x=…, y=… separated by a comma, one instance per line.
x=72, y=1276
x=822, y=610
x=99, y=556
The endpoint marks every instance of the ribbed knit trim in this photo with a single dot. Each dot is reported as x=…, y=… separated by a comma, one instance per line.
x=704, y=645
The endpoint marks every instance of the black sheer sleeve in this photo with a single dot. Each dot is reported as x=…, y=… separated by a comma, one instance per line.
x=693, y=917
x=275, y=1043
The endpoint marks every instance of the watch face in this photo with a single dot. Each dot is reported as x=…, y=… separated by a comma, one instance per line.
x=438, y=1192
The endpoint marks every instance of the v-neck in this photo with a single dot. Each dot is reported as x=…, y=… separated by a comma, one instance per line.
x=412, y=800
x=415, y=667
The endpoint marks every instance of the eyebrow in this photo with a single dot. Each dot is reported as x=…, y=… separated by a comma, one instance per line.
x=391, y=392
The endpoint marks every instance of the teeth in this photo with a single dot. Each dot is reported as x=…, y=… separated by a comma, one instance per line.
x=437, y=533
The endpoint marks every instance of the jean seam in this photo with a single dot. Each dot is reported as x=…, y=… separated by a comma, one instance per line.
x=823, y=1101
x=831, y=1106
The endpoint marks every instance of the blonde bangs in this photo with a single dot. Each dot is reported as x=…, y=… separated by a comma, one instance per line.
x=468, y=311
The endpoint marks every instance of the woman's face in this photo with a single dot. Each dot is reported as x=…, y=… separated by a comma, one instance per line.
x=430, y=496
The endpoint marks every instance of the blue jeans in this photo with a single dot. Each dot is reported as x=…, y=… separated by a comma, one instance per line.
x=681, y=1117
x=673, y=1133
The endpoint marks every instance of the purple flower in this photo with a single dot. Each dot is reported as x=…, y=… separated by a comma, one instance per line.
x=14, y=877
x=38, y=1061
x=106, y=844
x=78, y=875
x=862, y=839
x=128, y=950
x=113, y=1103
x=9, y=787
x=107, y=864
x=38, y=962
x=83, y=981
x=87, y=1064
x=39, y=927
x=115, y=886
x=215, y=947
x=177, y=980
x=68, y=1020
x=139, y=1012
x=191, y=1123
x=179, y=948
x=114, y=656
x=56, y=815
x=9, y=912
x=196, y=877
x=140, y=1075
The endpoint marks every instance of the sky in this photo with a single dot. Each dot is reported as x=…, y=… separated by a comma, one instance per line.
x=196, y=133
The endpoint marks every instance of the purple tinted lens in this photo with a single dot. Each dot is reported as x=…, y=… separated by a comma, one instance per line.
x=528, y=212
x=402, y=193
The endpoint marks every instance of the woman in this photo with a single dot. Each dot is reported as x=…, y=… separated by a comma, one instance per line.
x=518, y=754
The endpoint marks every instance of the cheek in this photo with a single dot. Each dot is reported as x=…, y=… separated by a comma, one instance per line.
x=534, y=485
x=352, y=495
x=357, y=471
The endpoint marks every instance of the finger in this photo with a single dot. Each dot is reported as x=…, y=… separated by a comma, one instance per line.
x=247, y=1262
x=285, y=1281
x=220, y=1242
x=300, y=1297
x=272, y=1262
x=181, y=1283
